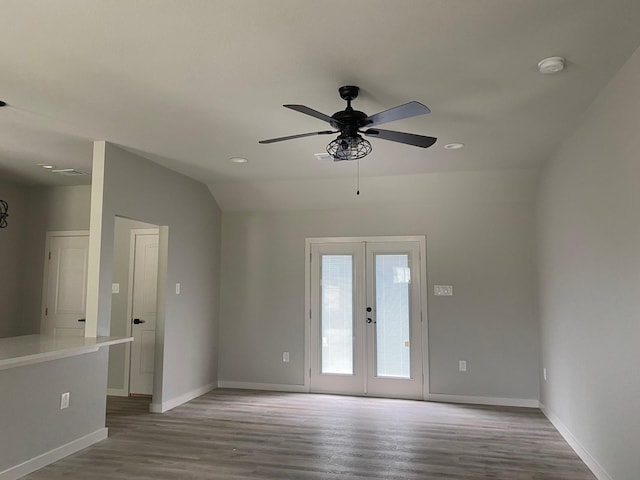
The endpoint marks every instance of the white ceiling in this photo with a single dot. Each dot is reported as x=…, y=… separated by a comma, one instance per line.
x=191, y=84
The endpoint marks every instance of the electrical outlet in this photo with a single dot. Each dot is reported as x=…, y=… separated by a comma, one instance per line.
x=64, y=400
x=285, y=357
x=462, y=365
x=544, y=373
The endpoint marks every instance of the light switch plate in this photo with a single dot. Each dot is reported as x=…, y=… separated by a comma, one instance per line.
x=462, y=365
x=177, y=289
x=285, y=357
x=443, y=290
x=64, y=400
x=115, y=288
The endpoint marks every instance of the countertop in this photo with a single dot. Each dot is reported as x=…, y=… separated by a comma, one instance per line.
x=29, y=349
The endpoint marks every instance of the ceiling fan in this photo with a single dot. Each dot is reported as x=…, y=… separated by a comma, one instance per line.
x=349, y=124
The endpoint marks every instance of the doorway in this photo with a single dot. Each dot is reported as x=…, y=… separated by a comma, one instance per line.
x=367, y=327
x=64, y=293
x=133, y=307
x=143, y=299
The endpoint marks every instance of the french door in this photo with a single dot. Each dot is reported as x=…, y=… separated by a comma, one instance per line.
x=366, y=318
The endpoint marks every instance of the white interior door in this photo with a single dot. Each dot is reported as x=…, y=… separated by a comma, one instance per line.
x=366, y=318
x=143, y=319
x=65, y=284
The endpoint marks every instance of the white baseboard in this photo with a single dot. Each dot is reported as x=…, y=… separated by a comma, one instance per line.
x=435, y=397
x=585, y=456
x=117, y=392
x=274, y=387
x=25, y=468
x=184, y=398
x=504, y=402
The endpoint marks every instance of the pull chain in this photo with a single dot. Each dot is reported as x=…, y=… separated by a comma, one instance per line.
x=358, y=179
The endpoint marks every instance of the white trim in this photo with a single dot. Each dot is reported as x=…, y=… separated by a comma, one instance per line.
x=117, y=392
x=395, y=238
x=505, y=402
x=270, y=387
x=96, y=220
x=585, y=456
x=424, y=316
x=184, y=398
x=33, y=464
x=307, y=315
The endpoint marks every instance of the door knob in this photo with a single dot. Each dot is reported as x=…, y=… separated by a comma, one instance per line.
x=369, y=320
x=369, y=309
x=137, y=321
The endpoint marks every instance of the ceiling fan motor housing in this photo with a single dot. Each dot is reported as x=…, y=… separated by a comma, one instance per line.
x=348, y=121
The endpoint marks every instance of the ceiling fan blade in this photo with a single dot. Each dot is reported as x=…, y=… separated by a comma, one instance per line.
x=401, y=137
x=312, y=112
x=411, y=109
x=301, y=135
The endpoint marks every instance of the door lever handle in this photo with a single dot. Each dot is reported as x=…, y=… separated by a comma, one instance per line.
x=137, y=321
x=82, y=319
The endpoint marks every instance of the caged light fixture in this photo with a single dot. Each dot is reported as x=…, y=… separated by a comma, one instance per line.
x=349, y=148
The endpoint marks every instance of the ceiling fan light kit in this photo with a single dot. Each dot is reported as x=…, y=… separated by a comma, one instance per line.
x=349, y=148
x=349, y=145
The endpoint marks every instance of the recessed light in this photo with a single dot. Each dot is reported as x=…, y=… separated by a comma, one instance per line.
x=239, y=160
x=46, y=165
x=551, y=65
x=454, y=146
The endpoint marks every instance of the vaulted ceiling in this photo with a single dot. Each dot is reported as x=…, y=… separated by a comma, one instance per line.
x=191, y=84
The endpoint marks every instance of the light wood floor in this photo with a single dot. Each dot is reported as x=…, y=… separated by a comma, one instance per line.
x=230, y=434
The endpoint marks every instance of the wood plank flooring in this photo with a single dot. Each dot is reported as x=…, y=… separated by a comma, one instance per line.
x=234, y=435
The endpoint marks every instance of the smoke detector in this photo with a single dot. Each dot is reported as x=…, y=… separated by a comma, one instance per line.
x=551, y=65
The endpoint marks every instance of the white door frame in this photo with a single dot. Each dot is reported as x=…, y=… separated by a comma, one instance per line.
x=421, y=239
x=45, y=275
x=132, y=252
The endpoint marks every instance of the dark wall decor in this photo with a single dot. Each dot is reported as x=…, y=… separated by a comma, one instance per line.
x=4, y=208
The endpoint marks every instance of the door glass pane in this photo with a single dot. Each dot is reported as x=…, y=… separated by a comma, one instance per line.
x=337, y=314
x=393, y=348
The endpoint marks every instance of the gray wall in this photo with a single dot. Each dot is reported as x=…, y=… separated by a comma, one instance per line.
x=50, y=209
x=482, y=246
x=32, y=212
x=32, y=422
x=186, y=342
x=589, y=257
x=120, y=318
x=12, y=254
